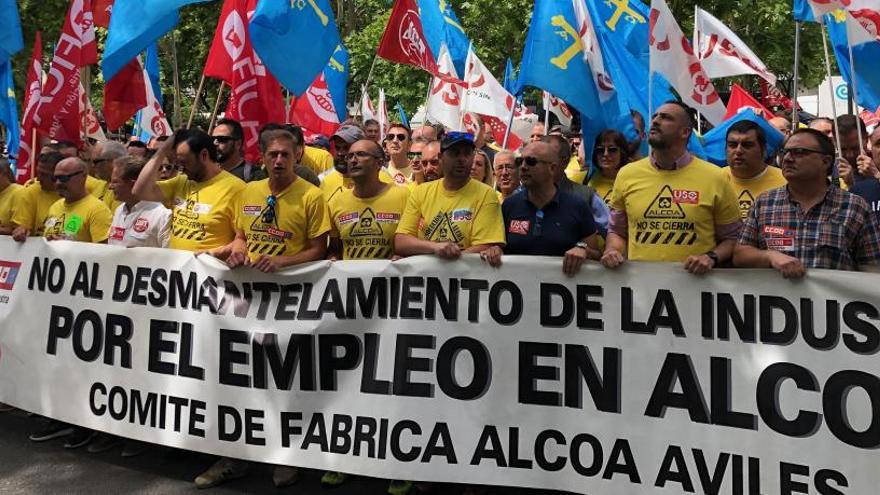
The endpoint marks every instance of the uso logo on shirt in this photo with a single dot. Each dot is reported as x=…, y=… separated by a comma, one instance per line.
x=141, y=225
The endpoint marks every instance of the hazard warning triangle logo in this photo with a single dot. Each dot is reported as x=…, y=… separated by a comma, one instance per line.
x=746, y=200
x=663, y=206
x=367, y=225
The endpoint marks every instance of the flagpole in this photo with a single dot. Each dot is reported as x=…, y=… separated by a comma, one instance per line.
x=216, y=106
x=855, y=95
x=822, y=28
x=427, y=98
x=33, y=156
x=195, y=105
x=366, y=86
x=796, y=73
x=510, y=124
x=176, y=81
x=546, y=113
x=696, y=47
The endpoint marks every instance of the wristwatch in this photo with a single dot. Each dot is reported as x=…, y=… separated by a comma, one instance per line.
x=582, y=244
x=714, y=257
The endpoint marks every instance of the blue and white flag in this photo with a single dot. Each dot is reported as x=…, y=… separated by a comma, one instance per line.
x=441, y=25
x=135, y=25
x=294, y=39
x=844, y=28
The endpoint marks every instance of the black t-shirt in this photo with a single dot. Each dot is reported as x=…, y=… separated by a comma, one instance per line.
x=869, y=190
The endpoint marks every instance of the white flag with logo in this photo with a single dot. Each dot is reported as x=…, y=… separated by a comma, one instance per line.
x=382, y=116
x=152, y=117
x=91, y=126
x=444, y=102
x=723, y=53
x=672, y=56
x=484, y=94
x=558, y=108
x=822, y=7
x=367, y=110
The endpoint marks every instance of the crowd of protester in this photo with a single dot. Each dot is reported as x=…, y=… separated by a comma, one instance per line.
x=426, y=191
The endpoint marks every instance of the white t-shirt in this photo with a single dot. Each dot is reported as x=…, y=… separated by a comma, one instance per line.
x=147, y=224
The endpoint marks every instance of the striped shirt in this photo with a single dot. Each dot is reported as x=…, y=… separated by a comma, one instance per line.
x=838, y=233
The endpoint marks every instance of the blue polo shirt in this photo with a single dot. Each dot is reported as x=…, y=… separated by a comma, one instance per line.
x=549, y=231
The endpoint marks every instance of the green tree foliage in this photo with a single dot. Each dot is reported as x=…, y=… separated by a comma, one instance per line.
x=497, y=29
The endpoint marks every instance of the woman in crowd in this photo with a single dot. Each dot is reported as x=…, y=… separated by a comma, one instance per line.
x=481, y=169
x=610, y=153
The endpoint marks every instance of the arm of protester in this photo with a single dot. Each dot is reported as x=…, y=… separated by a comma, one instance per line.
x=745, y=256
x=845, y=170
x=867, y=167
x=21, y=234
x=334, y=250
x=491, y=254
x=145, y=187
x=574, y=258
x=315, y=250
x=408, y=245
x=615, y=250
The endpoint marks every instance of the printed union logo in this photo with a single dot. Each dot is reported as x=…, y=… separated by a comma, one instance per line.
x=8, y=274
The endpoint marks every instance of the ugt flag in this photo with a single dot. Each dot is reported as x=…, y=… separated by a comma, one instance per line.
x=294, y=39
x=135, y=25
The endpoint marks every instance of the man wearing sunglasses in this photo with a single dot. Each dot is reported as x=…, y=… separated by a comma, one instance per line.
x=78, y=216
x=202, y=200
x=809, y=223
x=397, y=144
x=453, y=215
x=672, y=206
x=229, y=140
x=33, y=202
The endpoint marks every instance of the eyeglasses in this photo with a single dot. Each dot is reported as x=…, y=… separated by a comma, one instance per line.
x=414, y=156
x=531, y=161
x=269, y=212
x=536, y=229
x=501, y=167
x=801, y=152
x=607, y=149
x=224, y=139
x=359, y=154
x=392, y=137
x=64, y=179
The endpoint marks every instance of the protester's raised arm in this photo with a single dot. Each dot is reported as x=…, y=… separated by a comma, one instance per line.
x=145, y=187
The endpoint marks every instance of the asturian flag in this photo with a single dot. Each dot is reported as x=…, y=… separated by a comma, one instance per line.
x=673, y=57
x=723, y=53
x=444, y=102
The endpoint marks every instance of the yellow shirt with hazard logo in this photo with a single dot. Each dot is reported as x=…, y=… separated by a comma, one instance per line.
x=332, y=182
x=32, y=206
x=86, y=220
x=366, y=226
x=748, y=190
x=8, y=201
x=468, y=217
x=672, y=214
x=317, y=159
x=300, y=214
x=603, y=187
x=202, y=213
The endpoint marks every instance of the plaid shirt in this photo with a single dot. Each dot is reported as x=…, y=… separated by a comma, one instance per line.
x=839, y=233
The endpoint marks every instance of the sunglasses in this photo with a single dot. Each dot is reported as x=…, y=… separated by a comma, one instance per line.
x=800, y=152
x=392, y=137
x=414, y=156
x=64, y=179
x=531, y=161
x=269, y=212
x=224, y=139
x=607, y=149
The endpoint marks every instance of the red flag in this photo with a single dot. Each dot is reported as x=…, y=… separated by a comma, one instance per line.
x=740, y=99
x=31, y=101
x=771, y=97
x=404, y=38
x=58, y=112
x=124, y=95
x=255, y=97
x=101, y=10
x=314, y=110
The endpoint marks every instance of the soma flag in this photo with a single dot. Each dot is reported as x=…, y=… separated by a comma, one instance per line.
x=673, y=57
x=294, y=39
x=723, y=53
x=444, y=101
x=135, y=25
x=33, y=89
x=404, y=39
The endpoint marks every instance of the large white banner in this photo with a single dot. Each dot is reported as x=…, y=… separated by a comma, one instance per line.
x=641, y=380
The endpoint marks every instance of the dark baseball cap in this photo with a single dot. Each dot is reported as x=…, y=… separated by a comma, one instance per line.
x=455, y=137
x=349, y=133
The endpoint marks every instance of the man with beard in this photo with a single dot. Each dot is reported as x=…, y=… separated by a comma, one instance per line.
x=431, y=161
x=672, y=206
x=34, y=200
x=229, y=140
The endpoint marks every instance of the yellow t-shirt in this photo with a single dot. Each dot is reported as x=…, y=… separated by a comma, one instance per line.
x=366, y=226
x=8, y=202
x=672, y=214
x=401, y=177
x=203, y=213
x=317, y=159
x=32, y=206
x=748, y=190
x=574, y=172
x=97, y=187
x=86, y=220
x=468, y=217
x=300, y=214
x=603, y=186
x=333, y=182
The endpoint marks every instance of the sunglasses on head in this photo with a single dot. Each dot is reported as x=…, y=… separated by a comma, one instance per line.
x=65, y=178
x=269, y=212
x=392, y=137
